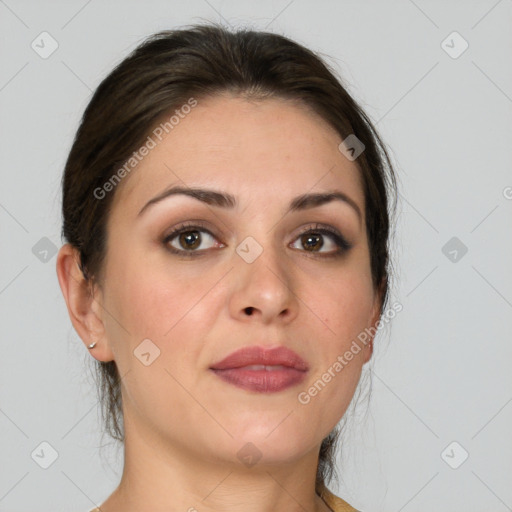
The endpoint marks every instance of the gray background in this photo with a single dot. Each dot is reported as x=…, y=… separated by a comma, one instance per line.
x=441, y=373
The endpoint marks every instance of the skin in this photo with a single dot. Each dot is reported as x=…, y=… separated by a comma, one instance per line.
x=183, y=424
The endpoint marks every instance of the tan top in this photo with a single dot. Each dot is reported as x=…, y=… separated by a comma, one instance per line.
x=333, y=502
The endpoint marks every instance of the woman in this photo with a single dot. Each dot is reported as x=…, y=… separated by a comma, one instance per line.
x=225, y=209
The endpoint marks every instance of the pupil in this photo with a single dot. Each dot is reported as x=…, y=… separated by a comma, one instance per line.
x=312, y=238
x=190, y=236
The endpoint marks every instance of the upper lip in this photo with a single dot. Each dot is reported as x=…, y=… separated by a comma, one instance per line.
x=247, y=356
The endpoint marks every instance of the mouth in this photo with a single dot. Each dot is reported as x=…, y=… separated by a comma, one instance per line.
x=262, y=370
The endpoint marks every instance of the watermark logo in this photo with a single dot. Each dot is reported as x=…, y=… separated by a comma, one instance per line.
x=249, y=454
x=454, y=249
x=44, y=45
x=44, y=455
x=146, y=352
x=44, y=250
x=454, y=45
x=454, y=455
x=249, y=249
x=351, y=147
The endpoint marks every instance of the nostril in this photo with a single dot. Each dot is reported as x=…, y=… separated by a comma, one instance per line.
x=248, y=310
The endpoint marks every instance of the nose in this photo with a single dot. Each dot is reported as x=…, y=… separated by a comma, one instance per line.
x=263, y=290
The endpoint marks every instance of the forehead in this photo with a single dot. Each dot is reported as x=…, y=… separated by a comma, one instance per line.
x=268, y=149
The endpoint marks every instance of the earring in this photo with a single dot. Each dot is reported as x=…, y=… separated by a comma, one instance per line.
x=92, y=345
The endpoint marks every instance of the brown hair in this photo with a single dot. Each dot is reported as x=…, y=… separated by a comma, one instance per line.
x=162, y=74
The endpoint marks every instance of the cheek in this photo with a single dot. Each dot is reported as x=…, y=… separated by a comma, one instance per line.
x=344, y=306
x=166, y=305
x=149, y=303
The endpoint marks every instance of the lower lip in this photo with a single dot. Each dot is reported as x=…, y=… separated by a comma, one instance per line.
x=263, y=381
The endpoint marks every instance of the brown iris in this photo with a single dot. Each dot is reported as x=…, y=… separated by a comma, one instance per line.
x=190, y=239
x=312, y=241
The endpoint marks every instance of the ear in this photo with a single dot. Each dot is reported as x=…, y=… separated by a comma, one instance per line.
x=84, y=303
x=374, y=318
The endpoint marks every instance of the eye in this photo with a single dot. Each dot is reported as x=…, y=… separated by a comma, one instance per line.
x=312, y=239
x=188, y=238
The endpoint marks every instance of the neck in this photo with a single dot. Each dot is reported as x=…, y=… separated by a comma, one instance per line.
x=164, y=478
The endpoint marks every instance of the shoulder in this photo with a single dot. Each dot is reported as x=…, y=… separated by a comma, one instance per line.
x=336, y=503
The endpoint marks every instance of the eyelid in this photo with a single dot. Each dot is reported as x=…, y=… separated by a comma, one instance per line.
x=191, y=224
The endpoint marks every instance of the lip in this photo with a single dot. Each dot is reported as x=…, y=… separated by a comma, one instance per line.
x=234, y=369
x=247, y=356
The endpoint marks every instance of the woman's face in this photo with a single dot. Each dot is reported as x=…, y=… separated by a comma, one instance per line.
x=247, y=276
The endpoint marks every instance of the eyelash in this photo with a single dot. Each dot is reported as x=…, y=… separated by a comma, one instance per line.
x=339, y=240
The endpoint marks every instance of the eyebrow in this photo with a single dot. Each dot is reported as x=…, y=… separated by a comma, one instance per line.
x=224, y=200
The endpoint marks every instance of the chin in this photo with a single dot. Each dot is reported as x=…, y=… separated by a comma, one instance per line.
x=270, y=447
